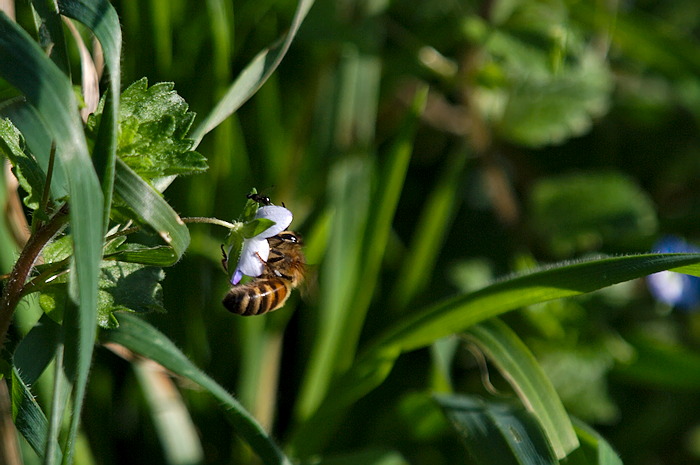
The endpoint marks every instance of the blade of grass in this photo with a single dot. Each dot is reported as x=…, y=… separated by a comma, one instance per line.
x=172, y=421
x=497, y=433
x=595, y=449
x=24, y=65
x=459, y=313
x=341, y=269
x=37, y=349
x=252, y=78
x=142, y=338
x=102, y=19
x=434, y=220
x=50, y=32
x=29, y=419
x=517, y=364
x=154, y=210
x=162, y=32
x=378, y=228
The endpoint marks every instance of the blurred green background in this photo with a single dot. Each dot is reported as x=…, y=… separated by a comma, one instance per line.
x=551, y=130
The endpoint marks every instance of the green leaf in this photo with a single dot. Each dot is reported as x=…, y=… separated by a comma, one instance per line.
x=255, y=227
x=497, y=433
x=459, y=313
x=38, y=140
x=580, y=375
x=550, y=111
x=153, y=125
x=25, y=65
x=102, y=19
x=550, y=82
x=563, y=280
x=151, y=208
x=578, y=212
x=594, y=449
x=517, y=364
x=36, y=350
x=140, y=337
x=29, y=419
x=137, y=253
x=123, y=287
x=30, y=175
x=252, y=78
x=128, y=287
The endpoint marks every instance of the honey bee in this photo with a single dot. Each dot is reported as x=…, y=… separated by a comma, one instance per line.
x=283, y=271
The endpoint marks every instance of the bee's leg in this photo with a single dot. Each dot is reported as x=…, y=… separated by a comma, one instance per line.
x=224, y=260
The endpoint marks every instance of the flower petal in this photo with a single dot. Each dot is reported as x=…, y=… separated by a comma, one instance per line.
x=253, y=256
x=280, y=215
x=236, y=278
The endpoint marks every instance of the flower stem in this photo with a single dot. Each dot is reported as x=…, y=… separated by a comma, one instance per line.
x=216, y=221
x=12, y=292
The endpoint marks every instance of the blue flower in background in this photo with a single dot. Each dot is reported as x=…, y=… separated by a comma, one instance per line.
x=679, y=290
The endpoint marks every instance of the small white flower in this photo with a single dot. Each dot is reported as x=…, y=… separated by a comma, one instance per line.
x=256, y=249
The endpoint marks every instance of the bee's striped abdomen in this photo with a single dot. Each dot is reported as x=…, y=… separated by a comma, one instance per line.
x=258, y=297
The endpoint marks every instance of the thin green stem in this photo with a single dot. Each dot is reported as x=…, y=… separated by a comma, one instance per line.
x=216, y=221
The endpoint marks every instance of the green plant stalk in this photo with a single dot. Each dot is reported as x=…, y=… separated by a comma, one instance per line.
x=12, y=293
x=457, y=314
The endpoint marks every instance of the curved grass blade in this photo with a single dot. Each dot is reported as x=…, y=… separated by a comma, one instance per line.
x=434, y=220
x=102, y=19
x=29, y=419
x=497, y=433
x=380, y=222
x=517, y=364
x=252, y=78
x=49, y=28
x=152, y=208
x=142, y=338
x=594, y=449
x=457, y=314
x=566, y=280
x=25, y=66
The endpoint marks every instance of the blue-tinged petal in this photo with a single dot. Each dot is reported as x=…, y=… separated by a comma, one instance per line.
x=253, y=256
x=280, y=215
x=236, y=278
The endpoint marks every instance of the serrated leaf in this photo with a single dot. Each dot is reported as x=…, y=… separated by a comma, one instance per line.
x=123, y=286
x=550, y=111
x=153, y=125
x=26, y=118
x=552, y=85
x=30, y=175
x=128, y=287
